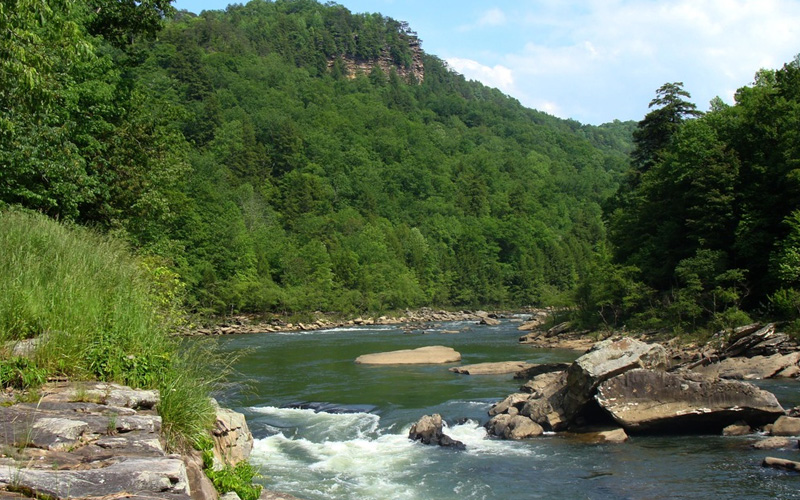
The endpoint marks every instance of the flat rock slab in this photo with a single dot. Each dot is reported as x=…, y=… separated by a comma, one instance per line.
x=499, y=368
x=429, y=355
x=134, y=476
x=755, y=368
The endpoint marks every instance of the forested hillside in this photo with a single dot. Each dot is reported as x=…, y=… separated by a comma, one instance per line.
x=293, y=156
x=705, y=229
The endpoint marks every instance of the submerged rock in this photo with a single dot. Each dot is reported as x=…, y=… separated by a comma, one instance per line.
x=429, y=430
x=737, y=429
x=774, y=443
x=649, y=400
x=435, y=354
x=611, y=436
x=498, y=368
x=780, y=463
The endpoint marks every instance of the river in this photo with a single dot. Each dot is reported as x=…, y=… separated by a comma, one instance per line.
x=357, y=447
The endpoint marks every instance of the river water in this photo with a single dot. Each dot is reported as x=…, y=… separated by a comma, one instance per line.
x=352, y=443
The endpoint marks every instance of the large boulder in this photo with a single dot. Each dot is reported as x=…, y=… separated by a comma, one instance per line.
x=650, y=400
x=429, y=430
x=603, y=361
x=435, y=354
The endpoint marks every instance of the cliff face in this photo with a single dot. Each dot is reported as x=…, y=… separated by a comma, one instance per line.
x=413, y=72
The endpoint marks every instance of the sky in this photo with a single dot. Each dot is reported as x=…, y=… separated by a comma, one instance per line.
x=596, y=60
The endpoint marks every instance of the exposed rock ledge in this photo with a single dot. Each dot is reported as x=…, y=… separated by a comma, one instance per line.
x=84, y=440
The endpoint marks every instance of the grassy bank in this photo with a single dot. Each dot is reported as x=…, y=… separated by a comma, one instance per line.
x=93, y=311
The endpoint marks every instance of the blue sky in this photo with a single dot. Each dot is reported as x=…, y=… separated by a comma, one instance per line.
x=597, y=60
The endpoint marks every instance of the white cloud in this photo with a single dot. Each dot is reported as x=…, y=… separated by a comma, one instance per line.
x=497, y=76
x=609, y=56
x=493, y=17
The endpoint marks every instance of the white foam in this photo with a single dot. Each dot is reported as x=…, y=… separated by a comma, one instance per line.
x=474, y=436
x=350, y=456
x=355, y=468
x=321, y=426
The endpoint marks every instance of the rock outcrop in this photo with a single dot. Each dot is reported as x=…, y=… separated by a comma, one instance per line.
x=88, y=441
x=650, y=400
x=85, y=440
x=626, y=381
x=749, y=353
x=233, y=441
x=429, y=430
x=513, y=427
x=436, y=354
x=541, y=403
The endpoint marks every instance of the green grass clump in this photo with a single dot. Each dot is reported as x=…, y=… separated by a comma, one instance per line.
x=238, y=478
x=98, y=314
x=21, y=373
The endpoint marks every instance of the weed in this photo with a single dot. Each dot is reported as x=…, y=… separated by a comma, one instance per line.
x=111, y=425
x=238, y=478
x=21, y=373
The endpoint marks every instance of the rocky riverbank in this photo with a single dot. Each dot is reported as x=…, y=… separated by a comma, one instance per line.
x=98, y=440
x=411, y=321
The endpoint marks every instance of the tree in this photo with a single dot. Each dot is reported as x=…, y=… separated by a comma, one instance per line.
x=655, y=131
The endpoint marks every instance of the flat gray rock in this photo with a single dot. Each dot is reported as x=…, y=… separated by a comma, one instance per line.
x=136, y=476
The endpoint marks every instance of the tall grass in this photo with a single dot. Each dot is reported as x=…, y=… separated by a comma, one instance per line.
x=92, y=307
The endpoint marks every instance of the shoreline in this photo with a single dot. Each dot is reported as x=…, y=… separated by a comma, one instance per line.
x=414, y=319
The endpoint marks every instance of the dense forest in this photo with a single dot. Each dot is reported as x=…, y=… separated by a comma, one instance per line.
x=289, y=156
x=705, y=229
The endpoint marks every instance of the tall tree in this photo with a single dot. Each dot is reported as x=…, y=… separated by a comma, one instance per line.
x=656, y=130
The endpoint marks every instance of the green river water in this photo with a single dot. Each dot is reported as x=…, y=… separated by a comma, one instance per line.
x=353, y=444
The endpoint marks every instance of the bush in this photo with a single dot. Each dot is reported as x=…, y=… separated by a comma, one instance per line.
x=238, y=478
